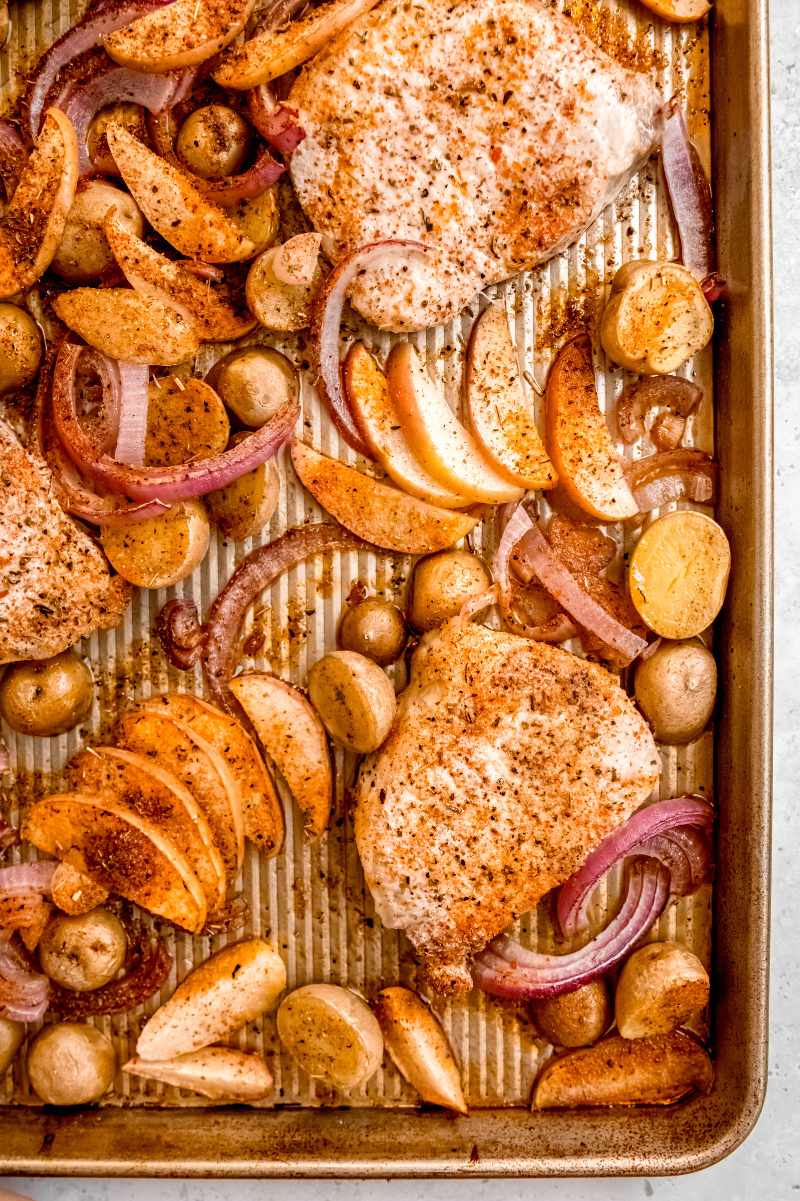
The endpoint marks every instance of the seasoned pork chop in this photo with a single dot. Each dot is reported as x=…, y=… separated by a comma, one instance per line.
x=509, y=761
x=494, y=132
x=54, y=582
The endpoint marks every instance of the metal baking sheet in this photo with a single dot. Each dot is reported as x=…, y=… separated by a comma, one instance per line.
x=311, y=899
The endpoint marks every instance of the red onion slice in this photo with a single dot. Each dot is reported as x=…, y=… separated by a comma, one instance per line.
x=151, y=965
x=27, y=877
x=277, y=123
x=132, y=433
x=13, y=157
x=689, y=194
x=555, y=628
x=24, y=994
x=8, y=836
x=684, y=473
x=230, y=190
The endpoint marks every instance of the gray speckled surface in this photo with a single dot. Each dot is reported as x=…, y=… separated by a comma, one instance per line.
x=768, y=1165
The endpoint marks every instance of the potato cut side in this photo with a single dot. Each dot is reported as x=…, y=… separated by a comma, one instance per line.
x=659, y=988
x=282, y=307
x=184, y=421
x=419, y=1048
x=173, y=205
x=243, y=507
x=125, y=326
x=274, y=52
x=375, y=511
x=622, y=1071
x=159, y=551
x=445, y=448
x=355, y=699
x=233, y=987
x=182, y=34
x=74, y=892
x=678, y=10
x=120, y=850
x=678, y=573
x=332, y=1033
x=294, y=738
x=578, y=438
x=656, y=319
x=261, y=808
x=378, y=422
x=499, y=414
x=220, y=1073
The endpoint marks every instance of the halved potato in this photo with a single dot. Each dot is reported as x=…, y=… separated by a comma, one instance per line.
x=220, y=1073
x=678, y=10
x=378, y=422
x=243, y=507
x=656, y=319
x=438, y=439
x=121, y=850
x=294, y=738
x=184, y=421
x=621, y=1071
x=159, y=551
x=279, y=305
x=261, y=809
x=588, y=468
x=174, y=205
x=126, y=326
x=182, y=34
x=499, y=414
x=419, y=1048
x=155, y=277
x=678, y=573
x=355, y=699
x=659, y=988
x=75, y=893
x=274, y=52
x=33, y=223
x=233, y=987
x=332, y=1034
x=375, y=511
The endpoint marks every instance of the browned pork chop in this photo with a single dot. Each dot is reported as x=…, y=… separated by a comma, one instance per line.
x=494, y=132
x=509, y=761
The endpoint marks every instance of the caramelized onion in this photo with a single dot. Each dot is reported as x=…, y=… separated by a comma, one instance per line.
x=276, y=122
x=180, y=633
x=27, y=877
x=13, y=157
x=149, y=965
x=22, y=910
x=679, y=396
x=8, y=835
x=689, y=194
x=553, y=626
x=679, y=474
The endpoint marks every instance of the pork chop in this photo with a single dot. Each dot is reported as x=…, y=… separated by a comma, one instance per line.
x=55, y=585
x=495, y=133
x=509, y=761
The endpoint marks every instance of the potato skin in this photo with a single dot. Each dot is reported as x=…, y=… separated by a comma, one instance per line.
x=71, y=1064
x=12, y=1035
x=441, y=584
x=213, y=141
x=676, y=689
x=84, y=253
x=574, y=1019
x=85, y=951
x=254, y=383
x=418, y=1047
x=375, y=628
x=47, y=697
x=659, y=987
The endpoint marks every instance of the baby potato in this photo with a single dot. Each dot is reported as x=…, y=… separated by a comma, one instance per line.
x=354, y=698
x=279, y=305
x=71, y=1064
x=184, y=421
x=162, y=550
x=678, y=573
x=121, y=113
x=243, y=507
x=214, y=141
x=47, y=697
x=84, y=253
x=20, y=347
x=73, y=892
x=11, y=1036
x=657, y=317
x=676, y=689
x=574, y=1019
x=255, y=382
x=419, y=1048
x=441, y=584
x=660, y=986
x=375, y=628
x=331, y=1033
x=85, y=951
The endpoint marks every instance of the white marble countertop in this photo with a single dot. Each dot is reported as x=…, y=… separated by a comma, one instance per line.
x=768, y=1164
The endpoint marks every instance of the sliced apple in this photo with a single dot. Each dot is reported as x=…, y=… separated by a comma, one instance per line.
x=120, y=850
x=375, y=511
x=126, y=326
x=182, y=34
x=33, y=224
x=221, y=1073
x=578, y=439
x=444, y=447
x=274, y=52
x=261, y=808
x=294, y=738
x=678, y=10
x=378, y=422
x=173, y=205
x=500, y=417
x=155, y=277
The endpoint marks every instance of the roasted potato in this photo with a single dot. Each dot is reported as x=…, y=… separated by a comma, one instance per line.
x=83, y=952
x=279, y=305
x=354, y=698
x=659, y=988
x=184, y=421
x=84, y=253
x=419, y=1048
x=678, y=573
x=442, y=584
x=20, y=348
x=574, y=1019
x=12, y=1035
x=71, y=1064
x=332, y=1034
x=123, y=325
x=183, y=34
x=676, y=689
x=375, y=628
x=656, y=319
x=220, y=1073
x=214, y=141
x=160, y=551
x=48, y=696
x=74, y=892
x=245, y=506
x=255, y=382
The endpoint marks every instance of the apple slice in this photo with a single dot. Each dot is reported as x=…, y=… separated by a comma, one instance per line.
x=121, y=850
x=221, y=1073
x=375, y=511
x=445, y=448
x=182, y=34
x=173, y=205
x=378, y=423
x=578, y=439
x=33, y=224
x=499, y=414
x=126, y=326
x=155, y=277
x=294, y=738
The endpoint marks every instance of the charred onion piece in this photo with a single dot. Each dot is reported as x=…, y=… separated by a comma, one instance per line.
x=180, y=633
x=24, y=993
x=148, y=967
x=13, y=156
x=276, y=122
x=554, y=627
x=679, y=474
x=679, y=396
x=690, y=196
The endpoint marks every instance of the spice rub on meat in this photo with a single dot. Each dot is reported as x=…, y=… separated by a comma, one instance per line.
x=495, y=133
x=509, y=761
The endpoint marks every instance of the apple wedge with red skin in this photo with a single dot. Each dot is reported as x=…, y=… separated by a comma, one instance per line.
x=184, y=33
x=499, y=415
x=33, y=224
x=294, y=738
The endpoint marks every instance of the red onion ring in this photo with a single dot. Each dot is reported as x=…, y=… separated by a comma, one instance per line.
x=24, y=994
x=684, y=473
x=277, y=123
x=13, y=157
x=134, y=379
x=689, y=194
x=152, y=963
x=180, y=633
x=326, y=320
x=27, y=877
x=556, y=628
